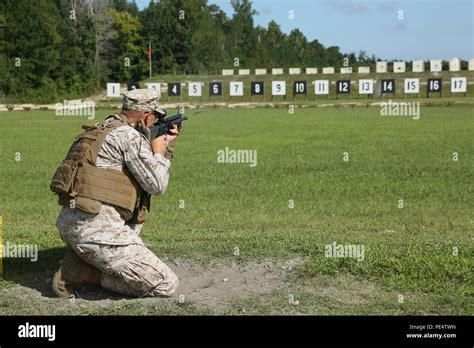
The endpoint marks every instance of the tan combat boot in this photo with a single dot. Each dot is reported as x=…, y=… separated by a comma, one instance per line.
x=74, y=272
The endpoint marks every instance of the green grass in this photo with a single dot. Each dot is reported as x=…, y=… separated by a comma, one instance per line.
x=300, y=158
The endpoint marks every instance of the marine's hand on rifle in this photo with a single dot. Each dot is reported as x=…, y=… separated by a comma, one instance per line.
x=160, y=143
x=173, y=133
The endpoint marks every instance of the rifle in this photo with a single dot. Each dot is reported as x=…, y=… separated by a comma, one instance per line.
x=163, y=125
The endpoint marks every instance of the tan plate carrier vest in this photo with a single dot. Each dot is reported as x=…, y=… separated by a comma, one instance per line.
x=80, y=184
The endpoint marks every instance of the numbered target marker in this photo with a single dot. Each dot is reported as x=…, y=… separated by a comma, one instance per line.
x=366, y=86
x=257, y=88
x=133, y=85
x=458, y=85
x=236, y=89
x=434, y=85
x=343, y=86
x=113, y=90
x=195, y=89
x=278, y=88
x=299, y=88
x=154, y=85
x=412, y=86
x=321, y=87
x=215, y=89
x=388, y=86
x=174, y=89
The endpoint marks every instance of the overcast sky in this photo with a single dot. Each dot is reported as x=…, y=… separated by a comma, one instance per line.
x=430, y=29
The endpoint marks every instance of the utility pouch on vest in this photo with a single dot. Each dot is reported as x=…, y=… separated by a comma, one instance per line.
x=141, y=211
x=63, y=178
x=88, y=205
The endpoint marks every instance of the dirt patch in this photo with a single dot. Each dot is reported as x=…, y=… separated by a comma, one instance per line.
x=222, y=286
x=214, y=285
x=217, y=284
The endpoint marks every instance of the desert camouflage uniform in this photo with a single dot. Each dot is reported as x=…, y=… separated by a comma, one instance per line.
x=105, y=240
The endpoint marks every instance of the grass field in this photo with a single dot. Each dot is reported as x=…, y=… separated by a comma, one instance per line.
x=418, y=259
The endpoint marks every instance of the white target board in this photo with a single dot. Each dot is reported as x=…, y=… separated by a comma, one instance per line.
x=412, y=86
x=278, y=88
x=236, y=89
x=328, y=70
x=154, y=85
x=458, y=85
x=381, y=67
x=436, y=65
x=277, y=71
x=346, y=70
x=113, y=89
x=455, y=64
x=311, y=71
x=366, y=86
x=195, y=89
x=418, y=66
x=321, y=87
x=294, y=71
x=470, y=65
x=399, y=67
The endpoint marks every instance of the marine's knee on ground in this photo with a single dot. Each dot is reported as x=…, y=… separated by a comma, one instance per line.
x=131, y=269
x=167, y=288
x=153, y=284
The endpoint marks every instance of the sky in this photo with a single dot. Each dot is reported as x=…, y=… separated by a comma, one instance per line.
x=429, y=29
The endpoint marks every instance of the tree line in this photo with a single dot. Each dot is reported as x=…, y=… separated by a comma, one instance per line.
x=53, y=49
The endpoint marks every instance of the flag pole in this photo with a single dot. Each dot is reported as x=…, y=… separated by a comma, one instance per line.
x=149, y=57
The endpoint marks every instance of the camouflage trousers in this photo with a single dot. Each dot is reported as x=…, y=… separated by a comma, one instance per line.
x=106, y=242
x=129, y=269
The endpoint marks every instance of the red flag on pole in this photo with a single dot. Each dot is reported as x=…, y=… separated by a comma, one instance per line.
x=149, y=58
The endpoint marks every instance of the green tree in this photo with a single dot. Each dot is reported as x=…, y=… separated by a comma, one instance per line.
x=209, y=41
x=170, y=36
x=63, y=55
x=334, y=56
x=32, y=49
x=76, y=73
x=274, y=40
x=317, y=55
x=127, y=54
x=295, y=47
x=124, y=6
x=362, y=57
x=242, y=37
